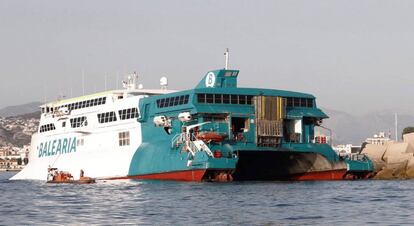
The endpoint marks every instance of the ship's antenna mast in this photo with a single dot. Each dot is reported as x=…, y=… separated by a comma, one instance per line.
x=226, y=55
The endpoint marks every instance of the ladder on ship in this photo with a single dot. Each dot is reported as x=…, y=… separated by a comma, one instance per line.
x=190, y=142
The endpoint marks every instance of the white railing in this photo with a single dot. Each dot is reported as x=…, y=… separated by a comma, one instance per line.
x=191, y=143
x=177, y=140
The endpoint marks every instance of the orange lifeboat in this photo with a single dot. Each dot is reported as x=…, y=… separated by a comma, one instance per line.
x=210, y=137
x=59, y=177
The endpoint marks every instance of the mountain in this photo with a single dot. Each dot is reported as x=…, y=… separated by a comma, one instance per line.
x=33, y=115
x=351, y=129
x=20, y=109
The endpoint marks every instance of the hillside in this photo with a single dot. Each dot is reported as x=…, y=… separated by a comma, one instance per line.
x=353, y=129
x=20, y=109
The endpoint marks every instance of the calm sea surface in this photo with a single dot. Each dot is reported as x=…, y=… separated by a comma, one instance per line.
x=172, y=203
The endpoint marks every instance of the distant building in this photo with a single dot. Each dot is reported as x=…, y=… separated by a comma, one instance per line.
x=379, y=139
x=347, y=149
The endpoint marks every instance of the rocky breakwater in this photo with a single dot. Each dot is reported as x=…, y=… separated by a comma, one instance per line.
x=393, y=160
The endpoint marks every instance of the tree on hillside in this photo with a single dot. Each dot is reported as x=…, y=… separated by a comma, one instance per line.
x=407, y=130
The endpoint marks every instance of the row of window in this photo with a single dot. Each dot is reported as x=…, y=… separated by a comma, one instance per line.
x=78, y=122
x=299, y=102
x=128, y=113
x=123, y=115
x=224, y=99
x=102, y=118
x=47, y=127
x=107, y=117
x=172, y=101
x=77, y=105
x=246, y=99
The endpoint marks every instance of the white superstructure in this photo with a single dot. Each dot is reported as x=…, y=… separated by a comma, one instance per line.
x=97, y=133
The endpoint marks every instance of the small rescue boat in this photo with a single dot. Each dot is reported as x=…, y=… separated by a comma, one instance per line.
x=60, y=177
x=210, y=137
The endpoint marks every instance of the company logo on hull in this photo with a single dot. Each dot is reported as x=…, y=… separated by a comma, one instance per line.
x=55, y=147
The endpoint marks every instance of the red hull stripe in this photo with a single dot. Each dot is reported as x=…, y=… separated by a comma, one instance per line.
x=322, y=175
x=187, y=175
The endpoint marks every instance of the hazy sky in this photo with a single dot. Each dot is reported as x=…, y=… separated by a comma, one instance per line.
x=355, y=56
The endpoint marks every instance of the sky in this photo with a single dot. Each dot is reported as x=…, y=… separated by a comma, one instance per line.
x=354, y=56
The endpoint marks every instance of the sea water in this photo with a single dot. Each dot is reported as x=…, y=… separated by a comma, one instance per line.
x=139, y=202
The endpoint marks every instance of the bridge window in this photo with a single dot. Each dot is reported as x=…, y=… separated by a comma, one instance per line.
x=224, y=99
x=218, y=98
x=172, y=101
x=182, y=100
x=234, y=99
x=210, y=98
x=242, y=99
x=299, y=102
x=201, y=98
x=176, y=101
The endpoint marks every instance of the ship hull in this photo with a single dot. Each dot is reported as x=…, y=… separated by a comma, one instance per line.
x=197, y=175
x=287, y=165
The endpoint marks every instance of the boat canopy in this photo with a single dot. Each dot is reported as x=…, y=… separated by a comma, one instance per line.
x=299, y=113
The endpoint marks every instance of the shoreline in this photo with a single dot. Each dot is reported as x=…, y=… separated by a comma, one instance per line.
x=9, y=170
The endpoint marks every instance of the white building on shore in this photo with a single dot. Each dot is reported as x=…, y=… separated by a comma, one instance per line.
x=346, y=149
x=379, y=139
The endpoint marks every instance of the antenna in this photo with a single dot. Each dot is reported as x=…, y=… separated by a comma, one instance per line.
x=396, y=127
x=226, y=55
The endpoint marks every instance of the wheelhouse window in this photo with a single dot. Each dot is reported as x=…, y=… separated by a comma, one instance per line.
x=172, y=101
x=203, y=98
x=299, y=102
x=218, y=98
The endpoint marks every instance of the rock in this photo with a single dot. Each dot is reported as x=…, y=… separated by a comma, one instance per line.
x=409, y=138
x=410, y=168
x=396, y=149
x=375, y=153
x=399, y=158
x=393, y=171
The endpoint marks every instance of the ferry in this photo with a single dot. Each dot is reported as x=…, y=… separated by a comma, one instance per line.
x=216, y=131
